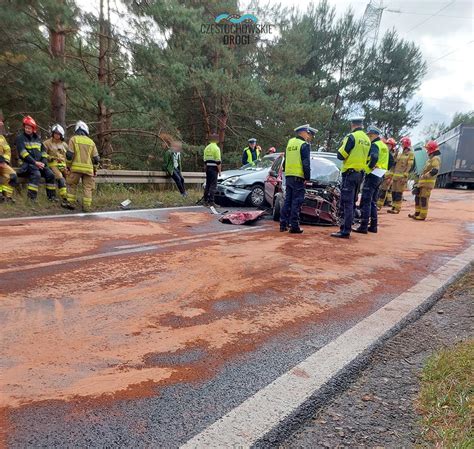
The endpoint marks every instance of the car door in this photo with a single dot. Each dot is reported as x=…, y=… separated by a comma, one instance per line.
x=272, y=180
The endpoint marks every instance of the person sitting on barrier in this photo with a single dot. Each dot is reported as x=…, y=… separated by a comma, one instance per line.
x=35, y=160
x=56, y=149
x=172, y=164
x=8, y=178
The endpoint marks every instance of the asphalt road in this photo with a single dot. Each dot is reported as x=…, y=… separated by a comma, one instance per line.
x=141, y=329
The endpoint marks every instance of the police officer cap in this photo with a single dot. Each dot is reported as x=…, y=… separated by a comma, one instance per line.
x=306, y=128
x=372, y=129
x=356, y=119
x=253, y=140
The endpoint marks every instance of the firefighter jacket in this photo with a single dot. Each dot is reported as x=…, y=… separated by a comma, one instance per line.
x=30, y=149
x=403, y=164
x=56, y=153
x=5, y=150
x=82, y=155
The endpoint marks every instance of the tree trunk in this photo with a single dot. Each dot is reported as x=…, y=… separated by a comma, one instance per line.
x=104, y=121
x=57, y=41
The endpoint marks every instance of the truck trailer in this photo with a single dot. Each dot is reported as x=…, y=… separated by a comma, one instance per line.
x=457, y=157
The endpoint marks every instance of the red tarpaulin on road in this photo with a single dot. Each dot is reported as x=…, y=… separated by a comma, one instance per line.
x=242, y=217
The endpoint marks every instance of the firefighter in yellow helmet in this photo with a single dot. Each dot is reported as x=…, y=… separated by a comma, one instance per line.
x=426, y=181
x=401, y=171
x=8, y=178
x=385, y=192
x=82, y=160
x=56, y=149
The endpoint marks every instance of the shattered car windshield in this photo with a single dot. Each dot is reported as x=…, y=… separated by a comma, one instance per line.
x=324, y=171
x=258, y=165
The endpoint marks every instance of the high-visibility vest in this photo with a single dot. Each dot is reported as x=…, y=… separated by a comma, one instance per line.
x=212, y=154
x=84, y=150
x=383, y=155
x=357, y=158
x=249, y=154
x=293, y=162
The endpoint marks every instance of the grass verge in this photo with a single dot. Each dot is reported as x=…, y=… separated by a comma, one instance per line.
x=446, y=398
x=107, y=197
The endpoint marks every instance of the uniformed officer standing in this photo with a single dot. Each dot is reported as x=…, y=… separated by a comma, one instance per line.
x=212, y=162
x=385, y=191
x=378, y=158
x=251, y=153
x=354, y=153
x=297, y=170
x=427, y=181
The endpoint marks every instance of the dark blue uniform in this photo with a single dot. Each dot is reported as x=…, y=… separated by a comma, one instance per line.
x=295, y=191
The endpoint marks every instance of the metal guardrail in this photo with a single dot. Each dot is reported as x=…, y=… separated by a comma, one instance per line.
x=142, y=177
x=145, y=177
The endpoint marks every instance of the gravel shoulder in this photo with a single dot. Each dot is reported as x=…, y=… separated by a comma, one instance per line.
x=379, y=409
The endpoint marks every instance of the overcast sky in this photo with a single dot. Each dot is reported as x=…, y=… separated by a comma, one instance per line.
x=443, y=29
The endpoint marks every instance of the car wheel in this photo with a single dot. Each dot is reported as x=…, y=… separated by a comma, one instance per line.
x=256, y=196
x=277, y=207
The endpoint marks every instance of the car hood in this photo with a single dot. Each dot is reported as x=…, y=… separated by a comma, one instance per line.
x=259, y=173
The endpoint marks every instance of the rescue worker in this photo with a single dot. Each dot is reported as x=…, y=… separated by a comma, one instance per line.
x=426, y=181
x=252, y=152
x=297, y=170
x=212, y=162
x=82, y=159
x=56, y=149
x=404, y=164
x=378, y=159
x=8, y=178
x=385, y=192
x=35, y=160
x=354, y=152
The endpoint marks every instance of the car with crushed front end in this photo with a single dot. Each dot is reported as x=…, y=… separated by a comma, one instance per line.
x=321, y=203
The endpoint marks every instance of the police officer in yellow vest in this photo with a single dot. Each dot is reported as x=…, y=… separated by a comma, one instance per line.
x=354, y=153
x=378, y=159
x=297, y=170
x=212, y=162
x=82, y=161
x=251, y=153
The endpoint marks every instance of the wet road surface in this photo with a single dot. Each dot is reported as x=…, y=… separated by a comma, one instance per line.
x=141, y=329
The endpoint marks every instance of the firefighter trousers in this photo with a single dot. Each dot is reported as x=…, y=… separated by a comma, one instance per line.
x=88, y=184
x=398, y=186
x=60, y=181
x=8, y=180
x=422, y=199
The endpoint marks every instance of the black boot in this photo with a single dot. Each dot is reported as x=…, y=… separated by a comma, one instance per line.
x=296, y=230
x=340, y=235
x=283, y=228
x=32, y=195
x=362, y=228
x=51, y=195
x=373, y=227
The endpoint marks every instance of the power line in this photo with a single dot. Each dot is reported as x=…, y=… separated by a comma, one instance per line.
x=397, y=11
x=431, y=16
x=450, y=53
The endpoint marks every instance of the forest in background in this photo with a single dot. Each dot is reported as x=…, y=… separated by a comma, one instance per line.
x=142, y=71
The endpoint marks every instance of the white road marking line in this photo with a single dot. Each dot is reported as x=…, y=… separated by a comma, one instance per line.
x=90, y=214
x=138, y=249
x=261, y=413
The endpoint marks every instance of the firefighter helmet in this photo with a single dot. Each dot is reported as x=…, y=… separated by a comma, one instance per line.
x=391, y=142
x=57, y=128
x=29, y=121
x=406, y=142
x=431, y=146
x=80, y=125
